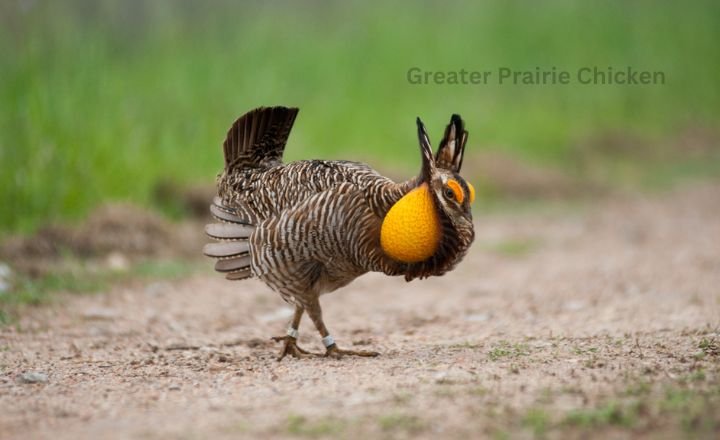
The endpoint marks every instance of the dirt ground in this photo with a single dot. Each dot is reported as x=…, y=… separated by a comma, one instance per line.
x=562, y=322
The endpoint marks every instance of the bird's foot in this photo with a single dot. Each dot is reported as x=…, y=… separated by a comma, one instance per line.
x=291, y=348
x=334, y=352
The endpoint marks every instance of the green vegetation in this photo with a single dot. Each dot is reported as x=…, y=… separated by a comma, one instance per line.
x=391, y=424
x=640, y=387
x=584, y=350
x=75, y=276
x=611, y=413
x=670, y=408
x=693, y=408
x=401, y=422
x=537, y=420
x=506, y=350
x=694, y=411
x=710, y=346
x=301, y=426
x=103, y=99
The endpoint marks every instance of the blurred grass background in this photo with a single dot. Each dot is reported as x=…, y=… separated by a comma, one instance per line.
x=103, y=99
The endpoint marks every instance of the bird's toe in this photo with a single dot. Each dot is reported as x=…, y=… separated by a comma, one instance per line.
x=334, y=352
x=291, y=348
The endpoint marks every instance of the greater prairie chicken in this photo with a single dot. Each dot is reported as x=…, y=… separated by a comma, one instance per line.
x=310, y=227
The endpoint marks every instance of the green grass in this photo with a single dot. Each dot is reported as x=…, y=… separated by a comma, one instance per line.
x=504, y=349
x=74, y=276
x=102, y=99
x=395, y=422
x=611, y=413
x=536, y=420
x=694, y=411
x=584, y=350
x=710, y=346
x=301, y=426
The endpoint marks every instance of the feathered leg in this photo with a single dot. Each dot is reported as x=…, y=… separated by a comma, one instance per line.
x=315, y=313
x=290, y=346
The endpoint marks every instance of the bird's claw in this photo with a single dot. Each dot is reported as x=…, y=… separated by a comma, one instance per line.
x=334, y=352
x=291, y=348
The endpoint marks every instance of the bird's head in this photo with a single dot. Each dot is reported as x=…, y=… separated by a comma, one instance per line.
x=431, y=226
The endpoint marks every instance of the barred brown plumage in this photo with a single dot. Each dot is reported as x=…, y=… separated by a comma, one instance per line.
x=310, y=227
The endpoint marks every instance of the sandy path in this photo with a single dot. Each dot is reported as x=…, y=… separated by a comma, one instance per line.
x=553, y=315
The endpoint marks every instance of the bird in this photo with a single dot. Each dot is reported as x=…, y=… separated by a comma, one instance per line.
x=310, y=227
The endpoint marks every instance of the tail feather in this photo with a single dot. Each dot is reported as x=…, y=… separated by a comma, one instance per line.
x=257, y=139
x=225, y=214
x=233, y=264
x=239, y=274
x=229, y=231
x=227, y=249
x=233, y=247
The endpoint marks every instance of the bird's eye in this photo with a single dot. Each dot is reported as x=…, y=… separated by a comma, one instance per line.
x=454, y=191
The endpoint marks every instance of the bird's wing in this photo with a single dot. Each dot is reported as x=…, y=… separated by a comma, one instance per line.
x=320, y=240
x=258, y=194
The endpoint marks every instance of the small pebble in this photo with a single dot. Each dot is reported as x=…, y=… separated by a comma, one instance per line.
x=5, y=275
x=477, y=317
x=100, y=313
x=33, y=377
x=117, y=261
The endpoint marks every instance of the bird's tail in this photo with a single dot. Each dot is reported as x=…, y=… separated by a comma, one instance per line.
x=232, y=249
x=257, y=138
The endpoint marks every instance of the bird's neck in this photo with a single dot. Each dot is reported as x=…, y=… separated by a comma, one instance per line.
x=411, y=228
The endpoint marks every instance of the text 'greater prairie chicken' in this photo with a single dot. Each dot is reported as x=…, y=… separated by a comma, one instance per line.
x=310, y=227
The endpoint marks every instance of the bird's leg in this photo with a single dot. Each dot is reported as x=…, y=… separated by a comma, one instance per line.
x=290, y=346
x=315, y=313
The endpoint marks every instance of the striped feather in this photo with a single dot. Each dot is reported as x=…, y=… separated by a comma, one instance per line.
x=224, y=215
x=232, y=264
x=452, y=146
x=239, y=274
x=226, y=249
x=229, y=231
x=257, y=139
